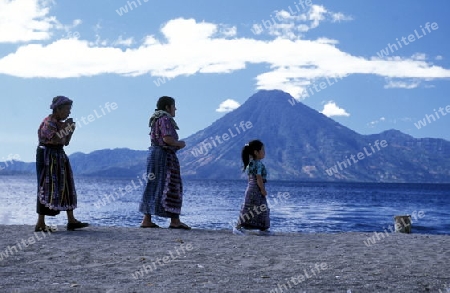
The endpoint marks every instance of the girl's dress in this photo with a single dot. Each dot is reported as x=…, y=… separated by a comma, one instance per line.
x=255, y=213
x=163, y=194
x=56, y=187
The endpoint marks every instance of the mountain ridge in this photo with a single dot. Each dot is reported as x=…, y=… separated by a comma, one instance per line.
x=301, y=144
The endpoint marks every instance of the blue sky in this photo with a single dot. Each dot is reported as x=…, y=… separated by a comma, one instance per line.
x=388, y=63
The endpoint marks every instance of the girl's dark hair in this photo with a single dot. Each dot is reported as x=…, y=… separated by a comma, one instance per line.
x=249, y=149
x=164, y=102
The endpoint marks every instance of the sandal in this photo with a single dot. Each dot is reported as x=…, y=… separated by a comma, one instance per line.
x=152, y=225
x=76, y=225
x=181, y=226
x=44, y=229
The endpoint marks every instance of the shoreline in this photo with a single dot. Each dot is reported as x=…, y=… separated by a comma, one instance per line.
x=128, y=259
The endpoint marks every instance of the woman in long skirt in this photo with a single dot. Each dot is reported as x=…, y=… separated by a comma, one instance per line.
x=163, y=195
x=56, y=189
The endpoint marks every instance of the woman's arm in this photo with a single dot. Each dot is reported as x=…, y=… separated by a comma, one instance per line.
x=173, y=142
x=260, y=183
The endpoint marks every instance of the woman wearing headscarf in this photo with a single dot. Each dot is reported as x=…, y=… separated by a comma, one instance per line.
x=56, y=188
x=163, y=195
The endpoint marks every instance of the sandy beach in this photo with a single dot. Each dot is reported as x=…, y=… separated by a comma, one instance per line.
x=118, y=259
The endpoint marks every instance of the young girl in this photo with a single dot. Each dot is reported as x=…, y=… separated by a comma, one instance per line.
x=254, y=213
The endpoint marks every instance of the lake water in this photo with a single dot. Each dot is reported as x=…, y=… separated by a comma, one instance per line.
x=211, y=204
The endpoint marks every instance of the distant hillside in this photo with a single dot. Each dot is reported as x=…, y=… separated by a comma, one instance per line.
x=120, y=162
x=301, y=144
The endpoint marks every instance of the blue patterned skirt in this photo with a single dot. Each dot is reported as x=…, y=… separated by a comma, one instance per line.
x=56, y=187
x=163, y=194
x=255, y=213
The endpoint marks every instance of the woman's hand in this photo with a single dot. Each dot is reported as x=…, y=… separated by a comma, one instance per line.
x=70, y=125
x=182, y=144
x=69, y=128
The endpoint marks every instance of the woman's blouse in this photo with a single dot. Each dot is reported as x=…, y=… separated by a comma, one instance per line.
x=256, y=167
x=48, y=129
x=163, y=127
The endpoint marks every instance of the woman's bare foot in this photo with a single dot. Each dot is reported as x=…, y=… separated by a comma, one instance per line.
x=177, y=224
x=147, y=222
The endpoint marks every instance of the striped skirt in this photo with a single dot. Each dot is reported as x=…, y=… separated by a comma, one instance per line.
x=56, y=187
x=255, y=213
x=163, y=194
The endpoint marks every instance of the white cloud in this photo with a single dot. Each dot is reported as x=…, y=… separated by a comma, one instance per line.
x=228, y=106
x=188, y=31
x=25, y=20
x=150, y=40
x=228, y=31
x=331, y=109
x=338, y=17
x=257, y=29
x=316, y=15
x=123, y=42
x=292, y=26
x=68, y=27
x=399, y=84
x=372, y=124
x=406, y=119
x=186, y=49
x=419, y=56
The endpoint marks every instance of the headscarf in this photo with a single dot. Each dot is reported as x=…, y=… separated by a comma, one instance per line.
x=159, y=114
x=59, y=101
